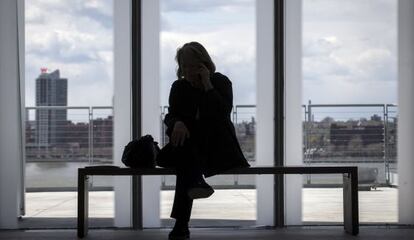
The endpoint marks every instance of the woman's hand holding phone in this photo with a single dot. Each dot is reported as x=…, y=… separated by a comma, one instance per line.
x=204, y=74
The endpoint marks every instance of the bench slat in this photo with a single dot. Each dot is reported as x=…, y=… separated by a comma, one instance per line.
x=113, y=170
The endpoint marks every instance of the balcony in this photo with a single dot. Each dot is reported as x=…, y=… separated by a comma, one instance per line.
x=332, y=135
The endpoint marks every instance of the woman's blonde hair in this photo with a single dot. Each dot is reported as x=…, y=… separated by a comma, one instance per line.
x=200, y=52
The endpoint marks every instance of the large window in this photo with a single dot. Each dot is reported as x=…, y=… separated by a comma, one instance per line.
x=349, y=96
x=228, y=31
x=69, y=94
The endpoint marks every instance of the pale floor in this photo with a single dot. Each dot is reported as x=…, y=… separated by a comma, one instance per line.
x=319, y=205
x=290, y=233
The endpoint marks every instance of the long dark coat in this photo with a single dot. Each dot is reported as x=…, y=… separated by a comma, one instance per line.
x=212, y=129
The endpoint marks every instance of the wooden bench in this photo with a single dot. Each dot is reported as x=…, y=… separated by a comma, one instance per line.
x=350, y=187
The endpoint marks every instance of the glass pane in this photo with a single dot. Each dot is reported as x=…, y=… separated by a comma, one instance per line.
x=69, y=89
x=227, y=29
x=350, y=85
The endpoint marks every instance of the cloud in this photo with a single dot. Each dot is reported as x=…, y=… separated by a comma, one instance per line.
x=226, y=28
x=59, y=36
x=342, y=91
x=319, y=59
x=349, y=49
x=377, y=65
x=34, y=14
x=99, y=10
x=319, y=47
x=61, y=30
x=205, y=16
x=89, y=84
x=356, y=11
x=187, y=6
x=322, y=59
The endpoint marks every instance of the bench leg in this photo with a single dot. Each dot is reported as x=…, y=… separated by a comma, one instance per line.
x=350, y=195
x=83, y=199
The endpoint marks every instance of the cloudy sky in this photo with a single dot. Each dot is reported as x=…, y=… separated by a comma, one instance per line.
x=75, y=36
x=349, y=47
x=350, y=51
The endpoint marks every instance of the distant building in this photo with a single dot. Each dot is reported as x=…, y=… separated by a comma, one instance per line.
x=51, y=90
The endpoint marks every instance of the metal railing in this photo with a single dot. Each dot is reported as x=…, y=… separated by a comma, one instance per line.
x=70, y=134
x=356, y=134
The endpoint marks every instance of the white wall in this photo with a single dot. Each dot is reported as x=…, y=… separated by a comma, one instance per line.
x=293, y=110
x=264, y=109
x=10, y=113
x=406, y=111
x=122, y=108
x=265, y=113
x=149, y=105
x=22, y=56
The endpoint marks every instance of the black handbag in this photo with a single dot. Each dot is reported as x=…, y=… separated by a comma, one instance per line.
x=167, y=157
x=141, y=153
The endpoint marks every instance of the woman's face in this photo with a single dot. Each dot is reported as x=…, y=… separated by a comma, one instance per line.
x=190, y=66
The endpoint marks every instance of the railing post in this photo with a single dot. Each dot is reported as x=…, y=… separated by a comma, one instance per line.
x=308, y=135
x=89, y=136
x=306, y=141
x=163, y=137
x=234, y=115
x=386, y=145
x=92, y=137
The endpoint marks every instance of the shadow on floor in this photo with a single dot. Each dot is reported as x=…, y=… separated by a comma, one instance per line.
x=297, y=233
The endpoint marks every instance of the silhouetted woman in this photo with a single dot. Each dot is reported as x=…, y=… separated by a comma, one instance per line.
x=202, y=136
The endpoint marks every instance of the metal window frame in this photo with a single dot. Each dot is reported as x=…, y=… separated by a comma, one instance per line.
x=279, y=78
x=279, y=109
x=136, y=60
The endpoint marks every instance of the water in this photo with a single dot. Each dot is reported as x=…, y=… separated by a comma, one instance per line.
x=52, y=175
x=59, y=175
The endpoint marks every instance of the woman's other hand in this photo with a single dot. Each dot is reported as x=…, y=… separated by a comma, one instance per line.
x=205, y=77
x=179, y=134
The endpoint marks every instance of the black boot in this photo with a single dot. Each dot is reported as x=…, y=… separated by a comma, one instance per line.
x=180, y=231
x=200, y=189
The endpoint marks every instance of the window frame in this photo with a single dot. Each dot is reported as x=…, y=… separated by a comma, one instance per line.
x=278, y=103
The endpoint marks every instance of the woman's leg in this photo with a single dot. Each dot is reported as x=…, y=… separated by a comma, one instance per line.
x=181, y=210
x=182, y=206
x=189, y=175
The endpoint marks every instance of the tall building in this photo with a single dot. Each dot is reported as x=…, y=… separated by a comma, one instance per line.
x=51, y=90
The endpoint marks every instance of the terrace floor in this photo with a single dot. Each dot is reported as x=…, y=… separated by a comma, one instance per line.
x=237, y=208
